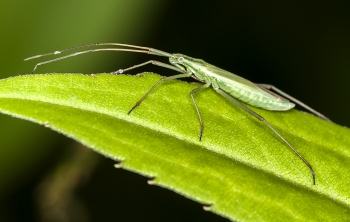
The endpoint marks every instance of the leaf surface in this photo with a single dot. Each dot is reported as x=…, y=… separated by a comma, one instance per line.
x=241, y=169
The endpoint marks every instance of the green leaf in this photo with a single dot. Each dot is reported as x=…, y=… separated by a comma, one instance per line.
x=240, y=168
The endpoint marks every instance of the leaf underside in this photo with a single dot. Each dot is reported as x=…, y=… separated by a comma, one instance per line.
x=240, y=168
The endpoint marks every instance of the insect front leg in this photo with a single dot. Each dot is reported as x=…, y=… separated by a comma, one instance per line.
x=155, y=85
x=153, y=62
x=271, y=87
x=195, y=105
x=198, y=79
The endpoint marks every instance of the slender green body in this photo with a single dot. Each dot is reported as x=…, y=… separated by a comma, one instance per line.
x=234, y=85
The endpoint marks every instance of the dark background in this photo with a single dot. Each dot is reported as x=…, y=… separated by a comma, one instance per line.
x=303, y=47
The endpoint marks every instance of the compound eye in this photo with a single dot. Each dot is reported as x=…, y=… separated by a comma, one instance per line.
x=180, y=59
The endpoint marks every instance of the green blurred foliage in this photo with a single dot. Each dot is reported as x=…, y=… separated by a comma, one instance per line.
x=35, y=27
x=302, y=47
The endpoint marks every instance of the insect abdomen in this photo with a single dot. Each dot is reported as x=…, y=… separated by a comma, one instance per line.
x=256, y=97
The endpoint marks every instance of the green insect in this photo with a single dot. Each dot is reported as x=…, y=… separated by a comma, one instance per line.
x=227, y=84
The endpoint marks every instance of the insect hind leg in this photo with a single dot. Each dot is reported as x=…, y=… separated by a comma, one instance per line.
x=251, y=112
x=285, y=95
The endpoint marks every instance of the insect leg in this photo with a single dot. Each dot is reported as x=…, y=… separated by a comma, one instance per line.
x=267, y=86
x=155, y=85
x=153, y=62
x=251, y=112
x=195, y=105
x=198, y=79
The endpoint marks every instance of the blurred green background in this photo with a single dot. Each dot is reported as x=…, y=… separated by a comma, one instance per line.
x=302, y=47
